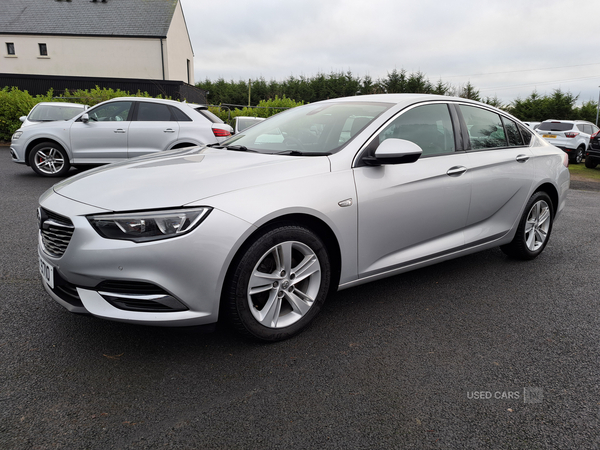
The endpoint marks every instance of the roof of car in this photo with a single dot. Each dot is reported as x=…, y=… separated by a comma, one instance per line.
x=76, y=105
x=124, y=18
x=567, y=121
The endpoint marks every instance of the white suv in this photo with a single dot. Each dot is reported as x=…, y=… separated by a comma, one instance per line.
x=115, y=130
x=571, y=136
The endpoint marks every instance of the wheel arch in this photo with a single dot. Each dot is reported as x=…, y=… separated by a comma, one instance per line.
x=552, y=192
x=314, y=224
x=37, y=141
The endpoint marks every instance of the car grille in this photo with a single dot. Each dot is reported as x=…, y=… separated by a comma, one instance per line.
x=56, y=232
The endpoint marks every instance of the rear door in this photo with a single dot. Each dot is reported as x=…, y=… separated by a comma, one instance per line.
x=501, y=171
x=154, y=128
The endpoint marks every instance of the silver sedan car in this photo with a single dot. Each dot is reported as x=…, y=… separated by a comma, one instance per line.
x=261, y=227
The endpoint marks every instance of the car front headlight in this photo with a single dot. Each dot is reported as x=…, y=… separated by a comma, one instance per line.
x=148, y=226
x=16, y=135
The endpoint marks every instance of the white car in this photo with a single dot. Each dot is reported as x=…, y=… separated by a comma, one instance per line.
x=571, y=136
x=533, y=125
x=115, y=130
x=262, y=229
x=52, y=111
x=243, y=122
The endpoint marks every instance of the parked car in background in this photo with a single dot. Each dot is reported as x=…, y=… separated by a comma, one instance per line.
x=262, y=229
x=115, y=130
x=571, y=136
x=592, y=156
x=243, y=122
x=533, y=125
x=52, y=111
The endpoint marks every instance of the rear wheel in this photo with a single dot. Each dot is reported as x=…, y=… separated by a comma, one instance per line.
x=534, y=228
x=279, y=284
x=590, y=162
x=49, y=159
x=578, y=155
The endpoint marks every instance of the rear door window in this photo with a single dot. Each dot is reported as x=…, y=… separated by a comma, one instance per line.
x=153, y=112
x=512, y=133
x=485, y=128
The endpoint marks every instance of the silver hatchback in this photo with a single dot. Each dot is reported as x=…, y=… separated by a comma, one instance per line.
x=261, y=227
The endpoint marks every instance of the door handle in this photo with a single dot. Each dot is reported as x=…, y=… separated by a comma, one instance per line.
x=456, y=171
x=522, y=158
x=169, y=130
x=119, y=130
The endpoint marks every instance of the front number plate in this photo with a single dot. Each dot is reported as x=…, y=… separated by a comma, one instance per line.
x=47, y=272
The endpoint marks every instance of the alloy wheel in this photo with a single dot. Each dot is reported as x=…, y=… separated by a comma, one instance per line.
x=49, y=160
x=284, y=284
x=537, y=225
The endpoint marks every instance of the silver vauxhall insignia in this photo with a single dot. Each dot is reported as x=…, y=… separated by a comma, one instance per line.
x=325, y=196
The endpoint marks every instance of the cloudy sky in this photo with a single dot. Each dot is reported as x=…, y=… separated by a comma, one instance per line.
x=505, y=48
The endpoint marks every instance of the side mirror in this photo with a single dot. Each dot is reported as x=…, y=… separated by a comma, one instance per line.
x=22, y=118
x=85, y=118
x=394, y=151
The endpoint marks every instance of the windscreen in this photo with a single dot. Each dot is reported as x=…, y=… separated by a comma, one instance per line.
x=320, y=128
x=48, y=113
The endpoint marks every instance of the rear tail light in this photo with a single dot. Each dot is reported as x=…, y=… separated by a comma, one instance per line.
x=218, y=132
x=594, y=135
x=571, y=134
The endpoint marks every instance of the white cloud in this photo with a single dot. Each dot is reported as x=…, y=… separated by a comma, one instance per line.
x=456, y=41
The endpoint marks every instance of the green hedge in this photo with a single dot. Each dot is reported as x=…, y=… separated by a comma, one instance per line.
x=265, y=108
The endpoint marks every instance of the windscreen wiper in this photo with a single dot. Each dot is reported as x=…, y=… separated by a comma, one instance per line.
x=299, y=153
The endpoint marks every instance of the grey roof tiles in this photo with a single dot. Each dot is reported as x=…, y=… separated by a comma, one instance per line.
x=129, y=18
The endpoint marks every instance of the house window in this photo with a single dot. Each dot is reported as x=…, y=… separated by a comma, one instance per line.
x=10, y=48
x=43, y=50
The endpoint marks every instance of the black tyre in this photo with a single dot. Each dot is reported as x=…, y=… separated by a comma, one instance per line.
x=534, y=228
x=279, y=284
x=49, y=159
x=590, y=162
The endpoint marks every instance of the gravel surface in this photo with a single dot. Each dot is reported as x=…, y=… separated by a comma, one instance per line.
x=479, y=352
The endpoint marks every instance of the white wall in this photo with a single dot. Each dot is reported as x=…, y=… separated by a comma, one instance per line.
x=179, y=50
x=83, y=56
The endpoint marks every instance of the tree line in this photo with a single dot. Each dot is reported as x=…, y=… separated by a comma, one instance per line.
x=536, y=107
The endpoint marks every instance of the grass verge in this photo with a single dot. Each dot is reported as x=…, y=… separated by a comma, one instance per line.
x=579, y=171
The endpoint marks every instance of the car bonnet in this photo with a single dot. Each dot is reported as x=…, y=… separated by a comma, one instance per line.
x=179, y=177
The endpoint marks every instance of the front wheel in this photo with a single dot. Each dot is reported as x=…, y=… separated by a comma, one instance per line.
x=533, y=230
x=279, y=283
x=49, y=160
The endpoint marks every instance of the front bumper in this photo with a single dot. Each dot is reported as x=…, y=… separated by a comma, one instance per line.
x=170, y=282
x=16, y=154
